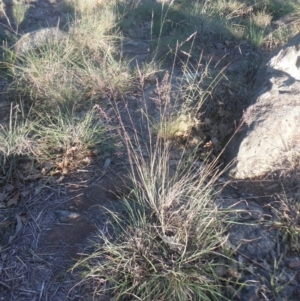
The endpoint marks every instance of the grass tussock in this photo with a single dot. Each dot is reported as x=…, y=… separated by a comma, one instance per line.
x=170, y=243
x=19, y=11
x=70, y=135
x=252, y=21
x=170, y=238
x=81, y=65
x=61, y=74
x=15, y=140
x=286, y=210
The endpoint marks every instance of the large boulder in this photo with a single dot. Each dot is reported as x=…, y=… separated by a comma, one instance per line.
x=269, y=138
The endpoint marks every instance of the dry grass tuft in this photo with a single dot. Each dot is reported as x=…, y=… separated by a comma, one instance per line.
x=60, y=78
x=15, y=140
x=168, y=241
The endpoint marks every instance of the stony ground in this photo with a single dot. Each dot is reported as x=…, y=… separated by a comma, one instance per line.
x=54, y=221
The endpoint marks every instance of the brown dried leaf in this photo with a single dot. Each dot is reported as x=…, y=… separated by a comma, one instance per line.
x=71, y=151
x=18, y=228
x=66, y=161
x=59, y=180
x=91, y=154
x=25, y=193
x=2, y=196
x=8, y=188
x=208, y=145
x=224, y=113
x=46, y=168
x=23, y=217
x=61, y=164
x=86, y=160
x=294, y=264
x=65, y=171
x=14, y=199
x=55, y=172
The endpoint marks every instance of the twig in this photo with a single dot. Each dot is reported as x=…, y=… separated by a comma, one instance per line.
x=5, y=285
x=42, y=289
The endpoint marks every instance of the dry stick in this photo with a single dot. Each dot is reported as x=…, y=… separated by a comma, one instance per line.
x=42, y=290
x=5, y=285
x=252, y=260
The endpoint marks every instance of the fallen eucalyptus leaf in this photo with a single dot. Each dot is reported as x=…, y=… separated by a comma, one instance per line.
x=2, y=196
x=18, y=228
x=59, y=180
x=25, y=193
x=13, y=200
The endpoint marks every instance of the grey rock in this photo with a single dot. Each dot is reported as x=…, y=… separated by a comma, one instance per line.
x=294, y=264
x=65, y=216
x=269, y=135
x=252, y=240
x=38, y=38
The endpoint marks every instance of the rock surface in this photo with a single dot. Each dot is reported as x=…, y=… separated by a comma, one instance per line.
x=252, y=240
x=38, y=38
x=269, y=137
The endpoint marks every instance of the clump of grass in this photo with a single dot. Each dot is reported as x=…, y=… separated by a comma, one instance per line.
x=60, y=77
x=178, y=127
x=278, y=8
x=287, y=211
x=261, y=19
x=80, y=67
x=19, y=11
x=49, y=76
x=159, y=14
x=168, y=241
x=170, y=244
x=15, y=140
x=256, y=33
x=68, y=134
x=224, y=9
